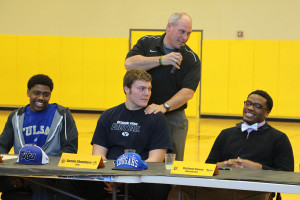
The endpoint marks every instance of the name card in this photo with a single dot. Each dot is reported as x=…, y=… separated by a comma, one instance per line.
x=191, y=168
x=80, y=161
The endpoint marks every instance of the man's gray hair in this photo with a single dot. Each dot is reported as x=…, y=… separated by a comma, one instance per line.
x=176, y=16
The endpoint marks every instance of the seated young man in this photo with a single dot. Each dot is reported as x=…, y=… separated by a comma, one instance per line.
x=253, y=144
x=49, y=126
x=126, y=126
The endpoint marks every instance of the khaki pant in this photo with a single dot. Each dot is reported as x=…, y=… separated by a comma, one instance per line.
x=202, y=193
x=178, y=124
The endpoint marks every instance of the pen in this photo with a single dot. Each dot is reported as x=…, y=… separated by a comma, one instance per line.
x=224, y=168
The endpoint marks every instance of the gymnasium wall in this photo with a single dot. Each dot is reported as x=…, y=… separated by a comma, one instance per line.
x=233, y=68
x=82, y=46
x=87, y=72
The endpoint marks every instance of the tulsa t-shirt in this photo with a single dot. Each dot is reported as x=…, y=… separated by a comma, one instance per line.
x=36, y=125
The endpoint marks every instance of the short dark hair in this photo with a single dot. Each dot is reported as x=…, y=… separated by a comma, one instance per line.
x=135, y=74
x=266, y=96
x=40, y=79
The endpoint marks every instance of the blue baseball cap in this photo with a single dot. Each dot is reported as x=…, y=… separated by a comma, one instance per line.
x=130, y=162
x=32, y=154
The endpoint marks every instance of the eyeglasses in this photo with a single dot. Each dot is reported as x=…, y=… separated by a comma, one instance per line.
x=255, y=105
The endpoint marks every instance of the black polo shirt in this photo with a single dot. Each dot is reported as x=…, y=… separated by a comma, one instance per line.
x=164, y=84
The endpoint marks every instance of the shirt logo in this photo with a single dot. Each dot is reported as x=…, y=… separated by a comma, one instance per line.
x=126, y=127
x=125, y=134
x=152, y=51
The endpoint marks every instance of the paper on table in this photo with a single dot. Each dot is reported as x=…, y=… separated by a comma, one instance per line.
x=7, y=157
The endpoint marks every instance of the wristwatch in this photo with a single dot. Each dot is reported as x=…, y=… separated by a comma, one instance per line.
x=167, y=106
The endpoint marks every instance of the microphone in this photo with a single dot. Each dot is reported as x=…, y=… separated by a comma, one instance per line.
x=173, y=70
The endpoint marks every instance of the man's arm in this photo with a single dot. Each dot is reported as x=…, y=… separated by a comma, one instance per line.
x=179, y=99
x=283, y=155
x=100, y=151
x=160, y=140
x=217, y=150
x=141, y=62
x=215, y=154
x=69, y=137
x=147, y=63
x=156, y=155
x=189, y=86
x=7, y=136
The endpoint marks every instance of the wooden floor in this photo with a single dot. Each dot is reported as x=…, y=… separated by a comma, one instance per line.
x=201, y=135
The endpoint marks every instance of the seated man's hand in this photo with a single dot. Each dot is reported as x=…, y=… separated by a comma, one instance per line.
x=16, y=181
x=240, y=163
x=248, y=164
x=110, y=188
x=229, y=163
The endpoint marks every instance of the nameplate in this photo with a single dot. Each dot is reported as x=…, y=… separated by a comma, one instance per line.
x=80, y=161
x=192, y=168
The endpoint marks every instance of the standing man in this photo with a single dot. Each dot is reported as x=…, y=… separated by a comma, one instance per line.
x=175, y=70
x=49, y=126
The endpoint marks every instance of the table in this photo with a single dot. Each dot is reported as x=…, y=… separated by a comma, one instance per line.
x=239, y=179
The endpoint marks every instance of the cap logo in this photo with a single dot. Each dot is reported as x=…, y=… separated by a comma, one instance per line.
x=125, y=160
x=130, y=161
x=27, y=155
x=32, y=154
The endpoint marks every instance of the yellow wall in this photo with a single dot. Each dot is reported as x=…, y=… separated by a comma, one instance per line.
x=269, y=48
x=87, y=72
x=234, y=68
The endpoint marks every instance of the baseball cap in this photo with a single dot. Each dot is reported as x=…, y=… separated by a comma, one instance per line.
x=130, y=162
x=32, y=154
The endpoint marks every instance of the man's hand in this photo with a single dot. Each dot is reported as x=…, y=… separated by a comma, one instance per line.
x=173, y=58
x=154, y=108
x=109, y=187
x=240, y=163
x=16, y=181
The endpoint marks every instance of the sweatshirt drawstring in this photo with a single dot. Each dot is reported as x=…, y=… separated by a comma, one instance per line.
x=66, y=126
